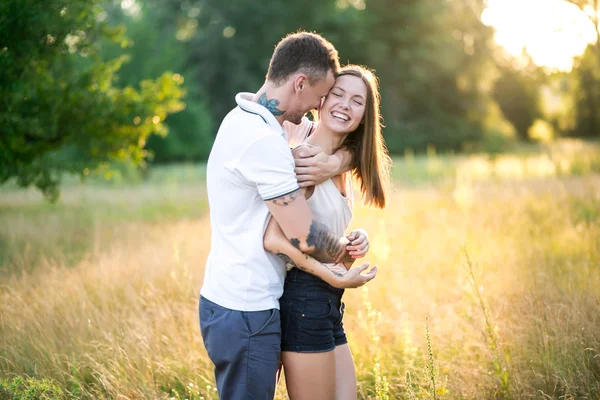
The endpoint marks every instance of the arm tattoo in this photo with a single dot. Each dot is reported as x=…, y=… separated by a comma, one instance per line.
x=296, y=243
x=328, y=247
x=334, y=272
x=347, y=258
x=288, y=261
x=270, y=105
x=286, y=198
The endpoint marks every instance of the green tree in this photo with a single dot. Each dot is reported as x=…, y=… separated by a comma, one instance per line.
x=427, y=54
x=517, y=93
x=60, y=110
x=431, y=57
x=586, y=75
x=412, y=45
x=159, y=35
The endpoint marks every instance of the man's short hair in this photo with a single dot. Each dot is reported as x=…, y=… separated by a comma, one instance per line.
x=304, y=52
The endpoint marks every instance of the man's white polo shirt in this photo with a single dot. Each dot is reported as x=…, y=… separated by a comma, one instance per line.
x=250, y=162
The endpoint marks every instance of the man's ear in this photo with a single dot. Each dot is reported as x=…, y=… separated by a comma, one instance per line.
x=300, y=83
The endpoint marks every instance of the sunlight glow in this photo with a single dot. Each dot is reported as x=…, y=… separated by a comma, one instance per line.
x=551, y=31
x=131, y=7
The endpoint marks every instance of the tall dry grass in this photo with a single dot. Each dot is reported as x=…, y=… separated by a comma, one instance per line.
x=486, y=289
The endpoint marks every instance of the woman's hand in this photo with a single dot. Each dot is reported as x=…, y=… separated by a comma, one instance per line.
x=337, y=269
x=354, y=278
x=358, y=245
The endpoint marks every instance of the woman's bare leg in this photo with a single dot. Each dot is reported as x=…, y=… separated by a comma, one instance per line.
x=310, y=376
x=345, y=374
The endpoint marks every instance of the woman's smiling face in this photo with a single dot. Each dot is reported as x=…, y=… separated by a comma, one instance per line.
x=344, y=107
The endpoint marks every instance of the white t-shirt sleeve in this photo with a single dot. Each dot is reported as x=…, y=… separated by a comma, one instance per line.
x=268, y=163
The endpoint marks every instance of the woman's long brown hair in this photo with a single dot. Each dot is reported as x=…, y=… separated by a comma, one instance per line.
x=370, y=160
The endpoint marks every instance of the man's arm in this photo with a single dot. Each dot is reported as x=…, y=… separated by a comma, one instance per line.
x=276, y=242
x=268, y=164
x=304, y=232
x=314, y=167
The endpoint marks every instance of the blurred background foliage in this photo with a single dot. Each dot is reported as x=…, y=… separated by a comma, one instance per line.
x=85, y=83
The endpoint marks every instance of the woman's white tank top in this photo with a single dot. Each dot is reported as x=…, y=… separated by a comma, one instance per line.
x=327, y=204
x=330, y=207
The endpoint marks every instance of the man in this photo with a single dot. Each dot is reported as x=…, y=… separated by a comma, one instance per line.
x=250, y=176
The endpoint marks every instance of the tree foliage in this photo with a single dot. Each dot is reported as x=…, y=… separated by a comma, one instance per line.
x=60, y=110
x=517, y=93
x=420, y=50
x=587, y=94
x=83, y=83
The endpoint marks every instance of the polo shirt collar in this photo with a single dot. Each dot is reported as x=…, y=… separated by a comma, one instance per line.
x=244, y=101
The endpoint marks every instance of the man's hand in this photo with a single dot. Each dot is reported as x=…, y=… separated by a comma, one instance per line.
x=358, y=245
x=354, y=279
x=313, y=166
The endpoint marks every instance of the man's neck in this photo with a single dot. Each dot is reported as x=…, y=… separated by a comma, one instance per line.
x=273, y=99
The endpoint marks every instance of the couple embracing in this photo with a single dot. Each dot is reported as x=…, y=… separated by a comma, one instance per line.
x=280, y=255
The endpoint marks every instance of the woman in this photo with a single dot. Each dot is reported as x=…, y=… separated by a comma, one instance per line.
x=315, y=353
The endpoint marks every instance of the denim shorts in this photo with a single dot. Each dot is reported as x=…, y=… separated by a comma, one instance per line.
x=311, y=314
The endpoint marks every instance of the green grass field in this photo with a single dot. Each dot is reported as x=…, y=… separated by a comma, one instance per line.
x=488, y=284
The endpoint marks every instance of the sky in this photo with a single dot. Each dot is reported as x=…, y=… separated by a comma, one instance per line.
x=551, y=31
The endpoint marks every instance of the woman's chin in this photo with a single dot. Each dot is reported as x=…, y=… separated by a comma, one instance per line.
x=337, y=126
x=343, y=128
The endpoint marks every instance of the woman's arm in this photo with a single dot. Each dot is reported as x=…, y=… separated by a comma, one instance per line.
x=277, y=243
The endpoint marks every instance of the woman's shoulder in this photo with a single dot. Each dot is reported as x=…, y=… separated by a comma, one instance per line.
x=297, y=133
x=303, y=122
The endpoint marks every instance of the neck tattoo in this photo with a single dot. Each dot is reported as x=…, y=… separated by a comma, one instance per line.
x=270, y=105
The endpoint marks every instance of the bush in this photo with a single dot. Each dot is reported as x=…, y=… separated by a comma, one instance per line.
x=445, y=132
x=29, y=388
x=495, y=142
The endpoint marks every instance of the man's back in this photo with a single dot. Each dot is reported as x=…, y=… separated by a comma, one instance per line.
x=250, y=162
